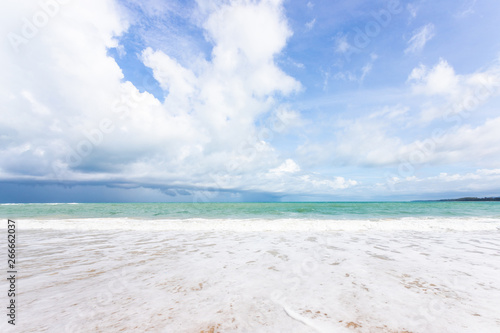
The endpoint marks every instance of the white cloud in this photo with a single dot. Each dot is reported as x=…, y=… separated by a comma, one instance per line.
x=68, y=113
x=482, y=142
x=466, y=9
x=479, y=181
x=289, y=166
x=365, y=70
x=342, y=44
x=366, y=141
x=285, y=119
x=294, y=63
x=420, y=38
x=380, y=137
x=374, y=141
x=390, y=113
x=226, y=94
x=413, y=10
x=288, y=179
x=346, y=76
x=258, y=31
x=460, y=94
x=323, y=185
x=357, y=77
x=310, y=24
x=172, y=77
x=156, y=8
x=441, y=79
x=70, y=116
x=54, y=81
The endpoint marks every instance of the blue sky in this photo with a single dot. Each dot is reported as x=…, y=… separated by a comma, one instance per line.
x=249, y=100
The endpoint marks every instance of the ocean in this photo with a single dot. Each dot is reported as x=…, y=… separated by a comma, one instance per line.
x=267, y=211
x=254, y=267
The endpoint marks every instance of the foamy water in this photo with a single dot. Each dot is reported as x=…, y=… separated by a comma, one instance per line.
x=258, y=275
x=248, y=225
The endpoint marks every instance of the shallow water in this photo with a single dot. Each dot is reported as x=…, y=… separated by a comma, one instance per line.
x=324, y=210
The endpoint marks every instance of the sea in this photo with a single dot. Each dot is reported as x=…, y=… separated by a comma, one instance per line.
x=268, y=211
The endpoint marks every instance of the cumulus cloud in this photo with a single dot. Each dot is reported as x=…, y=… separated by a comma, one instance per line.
x=56, y=86
x=381, y=138
x=366, y=141
x=71, y=115
x=477, y=183
x=441, y=79
x=226, y=120
x=289, y=166
x=460, y=94
x=374, y=141
x=482, y=142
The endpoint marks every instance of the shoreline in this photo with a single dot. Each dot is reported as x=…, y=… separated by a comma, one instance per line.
x=258, y=224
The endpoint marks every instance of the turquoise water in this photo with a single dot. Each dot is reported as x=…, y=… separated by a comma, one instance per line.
x=324, y=210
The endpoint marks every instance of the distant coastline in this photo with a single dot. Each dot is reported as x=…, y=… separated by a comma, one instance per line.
x=466, y=199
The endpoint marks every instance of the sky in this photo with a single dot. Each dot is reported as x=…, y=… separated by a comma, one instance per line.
x=270, y=100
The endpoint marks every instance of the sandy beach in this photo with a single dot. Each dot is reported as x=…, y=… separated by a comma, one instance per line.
x=255, y=276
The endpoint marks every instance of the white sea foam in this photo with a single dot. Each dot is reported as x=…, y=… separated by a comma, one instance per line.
x=41, y=203
x=248, y=225
x=110, y=275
